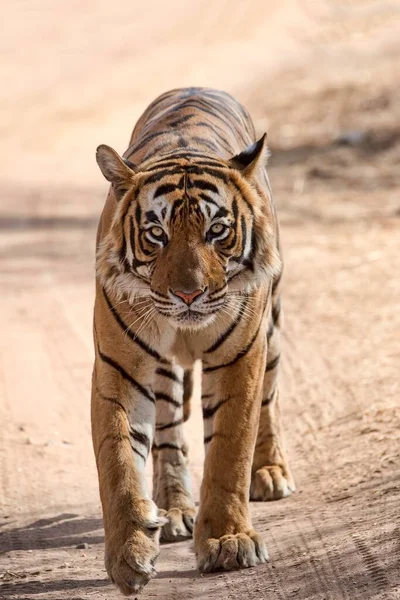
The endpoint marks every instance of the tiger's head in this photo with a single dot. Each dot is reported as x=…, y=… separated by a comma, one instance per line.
x=187, y=231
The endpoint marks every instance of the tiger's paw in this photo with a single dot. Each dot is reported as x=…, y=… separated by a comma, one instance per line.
x=179, y=526
x=230, y=552
x=130, y=557
x=271, y=483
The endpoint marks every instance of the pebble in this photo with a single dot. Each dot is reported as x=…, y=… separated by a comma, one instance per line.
x=83, y=546
x=352, y=138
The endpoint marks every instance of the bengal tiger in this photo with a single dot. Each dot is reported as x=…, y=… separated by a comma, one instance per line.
x=188, y=268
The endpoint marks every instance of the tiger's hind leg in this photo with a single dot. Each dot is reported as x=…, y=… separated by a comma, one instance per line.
x=271, y=477
x=171, y=479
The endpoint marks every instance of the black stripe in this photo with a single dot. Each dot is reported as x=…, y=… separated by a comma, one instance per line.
x=154, y=177
x=272, y=364
x=224, y=336
x=169, y=425
x=242, y=195
x=218, y=104
x=220, y=137
x=115, y=438
x=152, y=217
x=146, y=140
x=207, y=199
x=166, y=445
x=215, y=292
x=199, y=140
x=229, y=114
x=170, y=159
x=244, y=238
x=146, y=393
x=181, y=120
x=140, y=437
x=210, y=411
x=210, y=162
x=207, y=110
x=203, y=185
x=127, y=330
x=159, y=100
x=167, y=398
x=164, y=163
x=167, y=188
x=138, y=453
x=268, y=400
x=240, y=354
x=221, y=212
x=162, y=302
x=249, y=261
x=119, y=438
x=176, y=205
x=208, y=438
x=122, y=252
x=208, y=171
x=112, y=400
x=169, y=374
x=218, y=112
x=138, y=216
x=235, y=224
x=159, y=295
x=158, y=149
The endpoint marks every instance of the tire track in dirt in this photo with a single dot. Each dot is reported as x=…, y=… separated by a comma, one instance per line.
x=371, y=562
x=337, y=572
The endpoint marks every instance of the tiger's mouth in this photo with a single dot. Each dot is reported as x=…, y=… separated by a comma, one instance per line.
x=197, y=313
x=189, y=318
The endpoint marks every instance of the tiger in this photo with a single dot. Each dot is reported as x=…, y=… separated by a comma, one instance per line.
x=188, y=268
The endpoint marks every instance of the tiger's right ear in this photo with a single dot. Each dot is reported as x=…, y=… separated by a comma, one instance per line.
x=115, y=169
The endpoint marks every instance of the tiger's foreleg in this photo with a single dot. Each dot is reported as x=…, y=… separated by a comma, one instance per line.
x=171, y=479
x=271, y=476
x=224, y=536
x=123, y=411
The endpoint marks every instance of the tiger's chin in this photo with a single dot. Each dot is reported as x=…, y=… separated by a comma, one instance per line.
x=191, y=320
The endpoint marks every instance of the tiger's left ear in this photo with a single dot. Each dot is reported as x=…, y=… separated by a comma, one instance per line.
x=252, y=159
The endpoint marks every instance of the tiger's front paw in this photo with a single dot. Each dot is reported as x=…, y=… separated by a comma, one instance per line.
x=230, y=552
x=131, y=552
x=179, y=526
x=271, y=483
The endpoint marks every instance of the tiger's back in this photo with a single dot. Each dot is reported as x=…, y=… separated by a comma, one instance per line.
x=192, y=117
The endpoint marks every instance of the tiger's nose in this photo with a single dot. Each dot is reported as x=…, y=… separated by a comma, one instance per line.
x=187, y=297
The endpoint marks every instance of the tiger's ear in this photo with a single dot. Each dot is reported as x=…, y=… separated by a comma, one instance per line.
x=115, y=169
x=253, y=158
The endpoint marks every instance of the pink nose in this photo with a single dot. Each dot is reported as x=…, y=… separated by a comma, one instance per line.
x=188, y=297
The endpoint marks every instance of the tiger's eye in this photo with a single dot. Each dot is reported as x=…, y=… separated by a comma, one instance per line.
x=217, y=228
x=157, y=232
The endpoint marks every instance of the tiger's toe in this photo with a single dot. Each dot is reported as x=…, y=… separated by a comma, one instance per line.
x=231, y=552
x=272, y=482
x=179, y=526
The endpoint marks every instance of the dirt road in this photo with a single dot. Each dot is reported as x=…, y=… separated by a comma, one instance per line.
x=325, y=85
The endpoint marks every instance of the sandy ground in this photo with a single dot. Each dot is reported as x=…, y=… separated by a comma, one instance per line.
x=324, y=82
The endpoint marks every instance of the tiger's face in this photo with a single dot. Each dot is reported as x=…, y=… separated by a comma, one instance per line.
x=187, y=236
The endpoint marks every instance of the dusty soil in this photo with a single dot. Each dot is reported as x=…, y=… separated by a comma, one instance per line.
x=324, y=82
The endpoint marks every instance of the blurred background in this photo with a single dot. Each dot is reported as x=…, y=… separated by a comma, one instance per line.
x=323, y=79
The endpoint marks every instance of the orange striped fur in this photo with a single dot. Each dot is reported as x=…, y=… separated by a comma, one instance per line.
x=188, y=268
